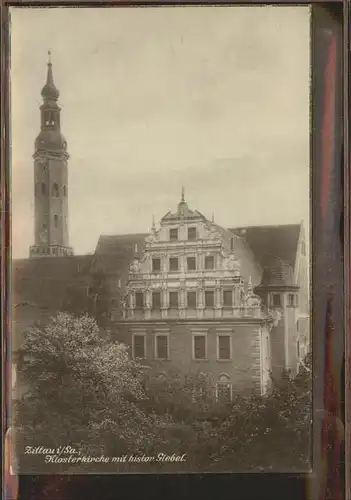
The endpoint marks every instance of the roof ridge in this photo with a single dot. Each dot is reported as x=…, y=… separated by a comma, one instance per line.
x=116, y=235
x=266, y=226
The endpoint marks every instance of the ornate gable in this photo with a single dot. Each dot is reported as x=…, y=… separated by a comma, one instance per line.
x=189, y=269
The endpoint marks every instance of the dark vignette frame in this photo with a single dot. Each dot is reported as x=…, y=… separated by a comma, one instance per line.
x=330, y=210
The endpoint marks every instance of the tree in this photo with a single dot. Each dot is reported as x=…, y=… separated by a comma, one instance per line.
x=271, y=433
x=83, y=391
x=185, y=397
x=89, y=296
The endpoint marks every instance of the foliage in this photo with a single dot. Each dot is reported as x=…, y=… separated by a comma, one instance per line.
x=85, y=391
x=264, y=433
x=185, y=397
x=89, y=297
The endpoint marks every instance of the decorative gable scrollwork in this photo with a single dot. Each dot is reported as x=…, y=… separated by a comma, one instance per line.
x=134, y=267
x=189, y=261
x=153, y=237
x=230, y=263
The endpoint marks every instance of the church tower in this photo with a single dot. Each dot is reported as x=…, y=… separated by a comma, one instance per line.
x=50, y=178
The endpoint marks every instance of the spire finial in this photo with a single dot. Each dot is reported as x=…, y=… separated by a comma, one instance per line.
x=182, y=199
x=213, y=218
x=50, y=92
x=153, y=223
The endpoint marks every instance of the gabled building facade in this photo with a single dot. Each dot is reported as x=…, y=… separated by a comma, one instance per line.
x=196, y=298
x=189, y=295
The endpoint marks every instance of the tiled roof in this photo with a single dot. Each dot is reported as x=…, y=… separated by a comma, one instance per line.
x=269, y=242
x=118, y=243
x=277, y=272
x=114, y=252
x=43, y=281
x=40, y=286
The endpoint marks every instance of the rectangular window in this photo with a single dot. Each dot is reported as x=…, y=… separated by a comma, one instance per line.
x=191, y=233
x=156, y=265
x=139, y=348
x=199, y=346
x=209, y=298
x=191, y=262
x=156, y=300
x=267, y=348
x=276, y=300
x=191, y=299
x=209, y=262
x=161, y=346
x=173, y=264
x=228, y=298
x=173, y=300
x=173, y=234
x=139, y=300
x=224, y=347
x=291, y=299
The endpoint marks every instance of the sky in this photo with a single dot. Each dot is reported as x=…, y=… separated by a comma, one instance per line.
x=215, y=99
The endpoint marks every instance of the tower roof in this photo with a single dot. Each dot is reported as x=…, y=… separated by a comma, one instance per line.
x=49, y=91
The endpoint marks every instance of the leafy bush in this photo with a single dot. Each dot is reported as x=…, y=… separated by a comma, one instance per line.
x=85, y=391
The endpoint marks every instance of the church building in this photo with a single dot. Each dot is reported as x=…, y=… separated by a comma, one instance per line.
x=190, y=295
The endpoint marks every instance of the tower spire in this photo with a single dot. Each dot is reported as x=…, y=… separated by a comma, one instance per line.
x=182, y=197
x=49, y=91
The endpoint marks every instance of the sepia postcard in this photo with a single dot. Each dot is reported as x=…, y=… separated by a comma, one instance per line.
x=160, y=239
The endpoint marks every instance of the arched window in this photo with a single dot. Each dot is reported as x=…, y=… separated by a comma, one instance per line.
x=55, y=220
x=224, y=389
x=64, y=190
x=43, y=188
x=55, y=190
x=49, y=118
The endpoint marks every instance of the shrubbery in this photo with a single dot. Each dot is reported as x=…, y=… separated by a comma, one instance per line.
x=85, y=391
